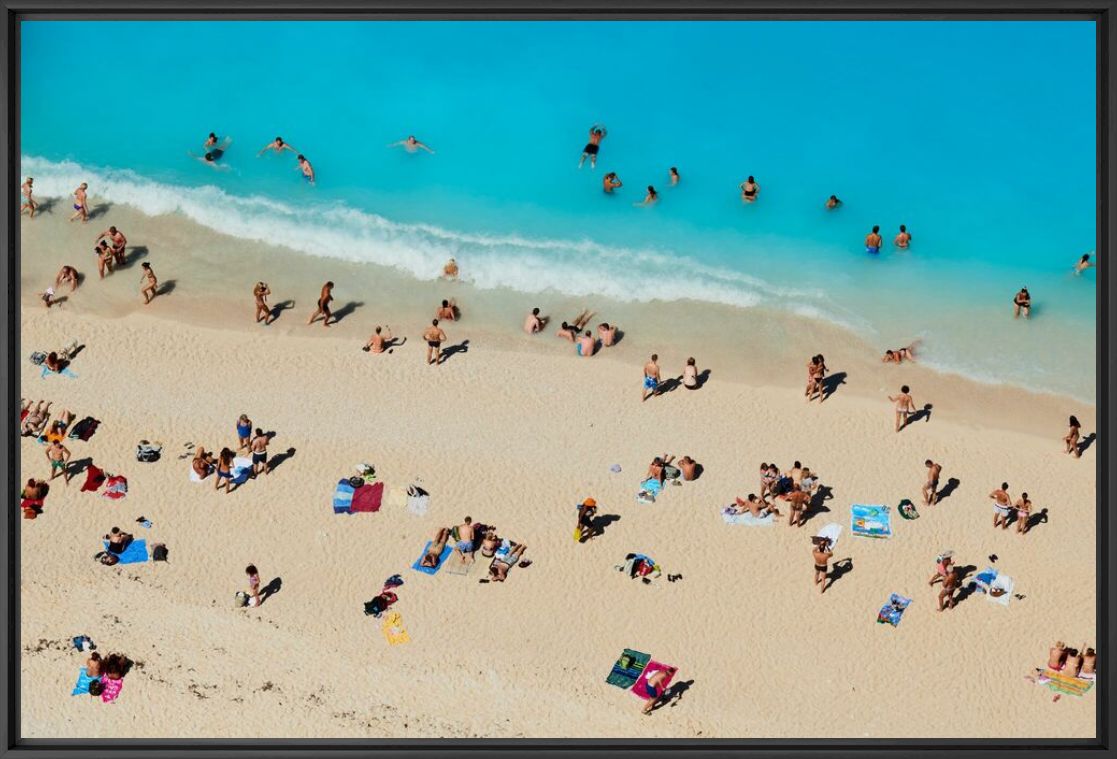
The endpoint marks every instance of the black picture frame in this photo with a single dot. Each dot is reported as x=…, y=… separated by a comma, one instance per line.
x=1102, y=12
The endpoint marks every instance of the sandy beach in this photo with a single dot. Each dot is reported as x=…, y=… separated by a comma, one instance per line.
x=515, y=430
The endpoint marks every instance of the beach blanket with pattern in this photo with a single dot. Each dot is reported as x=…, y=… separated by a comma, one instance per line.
x=893, y=611
x=641, y=686
x=393, y=629
x=627, y=669
x=82, y=687
x=1072, y=686
x=871, y=521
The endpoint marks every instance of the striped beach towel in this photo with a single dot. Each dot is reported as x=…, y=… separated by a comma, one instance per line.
x=1072, y=686
x=627, y=669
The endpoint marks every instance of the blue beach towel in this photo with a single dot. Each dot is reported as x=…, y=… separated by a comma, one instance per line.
x=871, y=521
x=135, y=553
x=65, y=373
x=82, y=687
x=893, y=611
x=343, y=497
x=441, y=559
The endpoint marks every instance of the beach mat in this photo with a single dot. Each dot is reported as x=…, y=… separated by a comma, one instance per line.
x=82, y=686
x=891, y=615
x=747, y=518
x=441, y=559
x=343, y=497
x=626, y=670
x=1072, y=686
x=871, y=521
x=641, y=686
x=242, y=468
x=368, y=497
x=455, y=565
x=393, y=629
x=135, y=553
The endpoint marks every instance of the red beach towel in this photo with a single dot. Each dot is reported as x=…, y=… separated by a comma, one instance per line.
x=93, y=479
x=641, y=686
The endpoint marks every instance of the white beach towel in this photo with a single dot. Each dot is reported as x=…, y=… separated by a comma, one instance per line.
x=748, y=519
x=1005, y=583
x=832, y=531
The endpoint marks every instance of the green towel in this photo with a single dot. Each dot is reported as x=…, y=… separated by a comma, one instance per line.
x=627, y=669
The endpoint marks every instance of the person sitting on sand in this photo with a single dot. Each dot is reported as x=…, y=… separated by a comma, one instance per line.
x=36, y=419
x=57, y=429
x=534, y=322
x=322, y=309
x=832, y=202
x=903, y=239
x=657, y=470
x=1071, y=439
x=380, y=340
x=434, y=337
x=93, y=665
x=651, y=377
x=464, y=547
x=567, y=332
x=808, y=481
x=950, y=583
x=579, y=322
x=1089, y=663
x=1002, y=506
x=278, y=145
x=931, y=486
x=1073, y=663
x=411, y=145
x=943, y=566
x=585, y=345
x=450, y=270
x=586, y=512
x=607, y=333
x=690, y=375
x=688, y=467
x=489, y=543
x=67, y=275
x=118, y=540
x=202, y=463
x=1022, y=303
x=905, y=406
x=498, y=570
x=1056, y=656
x=768, y=475
x=104, y=258
x=431, y=557
x=611, y=182
x=654, y=685
x=1023, y=511
x=253, y=585
x=898, y=355
x=822, y=553
x=448, y=311
x=1083, y=264
x=260, y=292
x=224, y=479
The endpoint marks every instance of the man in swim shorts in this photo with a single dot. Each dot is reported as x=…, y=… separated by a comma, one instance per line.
x=323, y=308
x=654, y=685
x=59, y=456
x=608, y=333
x=822, y=554
x=81, y=203
x=597, y=134
x=1002, y=506
x=464, y=546
x=651, y=377
x=930, y=488
x=447, y=311
x=873, y=241
x=259, y=449
x=434, y=337
x=117, y=241
x=380, y=340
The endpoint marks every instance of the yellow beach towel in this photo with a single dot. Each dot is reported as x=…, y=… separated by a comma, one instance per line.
x=393, y=630
x=1073, y=686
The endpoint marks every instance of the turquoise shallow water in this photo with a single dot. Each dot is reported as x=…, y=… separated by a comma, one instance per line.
x=952, y=128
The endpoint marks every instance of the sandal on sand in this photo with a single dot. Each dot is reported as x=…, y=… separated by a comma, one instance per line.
x=483, y=579
x=525, y=563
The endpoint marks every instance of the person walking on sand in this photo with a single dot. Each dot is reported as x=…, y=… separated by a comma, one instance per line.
x=1023, y=512
x=654, y=686
x=597, y=134
x=1082, y=265
x=690, y=374
x=259, y=449
x=585, y=345
x=1022, y=303
x=534, y=322
x=253, y=584
x=67, y=275
x=149, y=284
x=59, y=457
x=949, y=585
x=611, y=182
x=29, y=203
x=305, y=167
x=117, y=241
x=1071, y=440
x=1002, y=506
x=224, y=479
x=797, y=500
x=931, y=486
x=81, y=203
x=380, y=340
x=323, y=307
x=434, y=337
x=260, y=292
x=816, y=371
x=750, y=190
x=873, y=241
x=905, y=406
x=278, y=145
x=903, y=239
x=651, y=377
x=822, y=553
x=411, y=145
x=585, y=529
x=832, y=202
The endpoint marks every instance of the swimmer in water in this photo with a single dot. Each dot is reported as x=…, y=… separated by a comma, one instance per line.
x=597, y=134
x=650, y=198
x=898, y=355
x=749, y=190
x=611, y=182
x=278, y=145
x=306, y=168
x=873, y=240
x=1083, y=264
x=903, y=239
x=29, y=203
x=832, y=202
x=411, y=145
x=213, y=151
x=1022, y=303
x=673, y=173
x=450, y=270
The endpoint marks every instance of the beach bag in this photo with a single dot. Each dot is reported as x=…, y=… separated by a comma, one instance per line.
x=106, y=558
x=159, y=552
x=380, y=603
x=148, y=452
x=84, y=429
x=240, y=600
x=38, y=357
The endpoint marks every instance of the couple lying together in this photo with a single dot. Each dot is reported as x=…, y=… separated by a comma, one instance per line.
x=504, y=553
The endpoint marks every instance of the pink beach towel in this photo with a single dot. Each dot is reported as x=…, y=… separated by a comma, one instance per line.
x=641, y=686
x=111, y=689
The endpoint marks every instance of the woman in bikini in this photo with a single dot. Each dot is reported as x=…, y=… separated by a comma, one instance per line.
x=750, y=190
x=433, y=554
x=67, y=275
x=1023, y=509
x=224, y=471
x=263, y=311
x=1071, y=439
x=650, y=198
x=1022, y=303
x=104, y=258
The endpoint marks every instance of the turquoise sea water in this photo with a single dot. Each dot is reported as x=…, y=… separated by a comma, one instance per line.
x=979, y=136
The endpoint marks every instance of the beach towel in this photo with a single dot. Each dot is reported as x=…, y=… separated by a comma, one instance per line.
x=641, y=686
x=241, y=470
x=1063, y=683
x=65, y=373
x=831, y=531
x=111, y=689
x=194, y=475
x=393, y=629
x=116, y=487
x=984, y=579
x=907, y=509
x=441, y=559
x=649, y=490
x=82, y=687
x=893, y=611
x=84, y=429
x=871, y=521
x=988, y=580
x=343, y=497
x=747, y=518
x=626, y=671
x=455, y=565
x=368, y=497
x=94, y=477
x=418, y=500
x=135, y=553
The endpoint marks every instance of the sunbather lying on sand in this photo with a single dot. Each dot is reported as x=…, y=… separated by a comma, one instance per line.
x=36, y=420
x=498, y=570
x=759, y=508
x=431, y=557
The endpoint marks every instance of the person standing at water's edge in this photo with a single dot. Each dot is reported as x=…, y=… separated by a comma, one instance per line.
x=1022, y=304
x=278, y=145
x=29, y=203
x=597, y=134
x=434, y=337
x=323, y=307
x=750, y=190
x=149, y=284
x=903, y=239
x=651, y=377
x=873, y=241
x=905, y=406
x=81, y=203
x=611, y=182
x=117, y=241
x=263, y=311
x=411, y=145
x=1071, y=439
